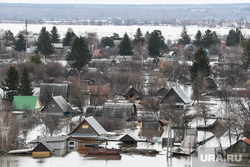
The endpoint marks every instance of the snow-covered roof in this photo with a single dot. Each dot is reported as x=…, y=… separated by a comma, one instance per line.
x=61, y=103
x=95, y=125
x=50, y=139
x=182, y=95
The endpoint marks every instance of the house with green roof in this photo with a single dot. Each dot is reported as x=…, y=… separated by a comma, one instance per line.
x=26, y=103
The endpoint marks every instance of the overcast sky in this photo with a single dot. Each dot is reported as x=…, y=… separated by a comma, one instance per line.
x=127, y=1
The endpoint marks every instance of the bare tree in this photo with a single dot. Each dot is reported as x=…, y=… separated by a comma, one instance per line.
x=78, y=95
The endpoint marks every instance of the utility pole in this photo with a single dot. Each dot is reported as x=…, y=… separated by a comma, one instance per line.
x=26, y=40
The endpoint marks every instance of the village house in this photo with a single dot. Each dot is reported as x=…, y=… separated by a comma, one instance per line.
x=57, y=106
x=56, y=143
x=88, y=129
x=176, y=96
x=48, y=90
x=97, y=53
x=209, y=85
x=132, y=95
x=73, y=74
x=27, y=103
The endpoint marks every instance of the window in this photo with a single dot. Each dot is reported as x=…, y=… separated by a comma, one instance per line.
x=85, y=126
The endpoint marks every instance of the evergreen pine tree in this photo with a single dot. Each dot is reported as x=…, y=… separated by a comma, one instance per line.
x=54, y=35
x=36, y=59
x=107, y=41
x=20, y=44
x=185, y=38
x=11, y=84
x=8, y=38
x=26, y=84
x=210, y=38
x=200, y=64
x=43, y=43
x=79, y=55
x=245, y=58
x=138, y=37
x=125, y=47
x=232, y=38
x=69, y=37
x=198, y=39
x=154, y=44
x=199, y=69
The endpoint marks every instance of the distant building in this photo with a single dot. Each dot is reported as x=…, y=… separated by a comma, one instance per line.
x=88, y=129
x=176, y=96
x=42, y=150
x=99, y=94
x=131, y=94
x=129, y=139
x=97, y=53
x=241, y=147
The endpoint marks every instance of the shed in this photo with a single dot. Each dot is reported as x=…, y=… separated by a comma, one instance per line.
x=89, y=128
x=129, y=139
x=176, y=96
x=209, y=85
x=56, y=143
x=42, y=150
x=57, y=106
x=48, y=90
x=26, y=103
x=152, y=125
x=131, y=94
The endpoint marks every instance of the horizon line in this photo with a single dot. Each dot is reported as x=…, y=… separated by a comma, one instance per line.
x=125, y=3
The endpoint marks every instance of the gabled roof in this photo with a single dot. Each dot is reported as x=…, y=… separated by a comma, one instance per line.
x=96, y=52
x=26, y=103
x=94, y=124
x=42, y=146
x=50, y=139
x=181, y=94
x=99, y=89
x=61, y=102
x=129, y=136
x=130, y=89
x=246, y=140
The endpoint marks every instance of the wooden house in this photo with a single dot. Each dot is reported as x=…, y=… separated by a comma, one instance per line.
x=97, y=53
x=99, y=94
x=58, y=47
x=73, y=74
x=176, y=96
x=27, y=103
x=57, y=106
x=131, y=94
x=129, y=139
x=56, y=143
x=241, y=147
x=42, y=150
x=88, y=129
x=48, y=90
x=209, y=85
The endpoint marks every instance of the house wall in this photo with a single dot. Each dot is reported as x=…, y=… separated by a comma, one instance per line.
x=41, y=154
x=85, y=128
x=54, y=145
x=240, y=147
